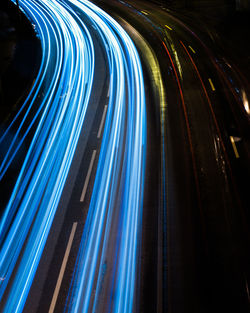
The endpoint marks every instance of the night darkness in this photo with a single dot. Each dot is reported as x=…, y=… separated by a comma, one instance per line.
x=124, y=156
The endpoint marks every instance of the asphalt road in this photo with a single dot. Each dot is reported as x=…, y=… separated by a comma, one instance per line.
x=72, y=207
x=102, y=201
x=205, y=257
x=207, y=237
x=188, y=244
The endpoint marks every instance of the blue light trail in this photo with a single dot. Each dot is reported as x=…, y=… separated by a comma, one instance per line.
x=115, y=212
x=60, y=95
x=61, y=92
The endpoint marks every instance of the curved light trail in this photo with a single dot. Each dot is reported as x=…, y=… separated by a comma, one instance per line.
x=111, y=235
x=116, y=204
x=59, y=98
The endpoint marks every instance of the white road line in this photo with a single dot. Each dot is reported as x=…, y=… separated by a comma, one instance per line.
x=102, y=121
x=88, y=176
x=62, y=270
x=108, y=92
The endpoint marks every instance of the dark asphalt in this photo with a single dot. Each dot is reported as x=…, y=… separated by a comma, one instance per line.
x=205, y=253
x=195, y=238
x=70, y=209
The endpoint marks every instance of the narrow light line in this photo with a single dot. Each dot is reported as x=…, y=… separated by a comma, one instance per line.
x=211, y=84
x=102, y=121
x=234, y=147
x=88, y=176
x=62, y=270
x=144, y=12
x=168, y=27
x=192, y=49
x=108, y=92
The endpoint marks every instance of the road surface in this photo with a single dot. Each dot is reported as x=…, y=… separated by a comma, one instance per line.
x=150, y=212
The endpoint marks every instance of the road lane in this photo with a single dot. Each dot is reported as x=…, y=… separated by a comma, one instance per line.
x=26, y=221
x=119, y=175
x=116, y=178
x=198, y=227
x=204, y=231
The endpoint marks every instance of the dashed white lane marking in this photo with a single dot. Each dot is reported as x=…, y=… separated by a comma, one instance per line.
x=62, y=270
x=88, y=176
x=102, y=121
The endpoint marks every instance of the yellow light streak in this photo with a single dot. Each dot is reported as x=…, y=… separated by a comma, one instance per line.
x=168, y=27
x=211, y=84
x=234, y=147
x=191, y=49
